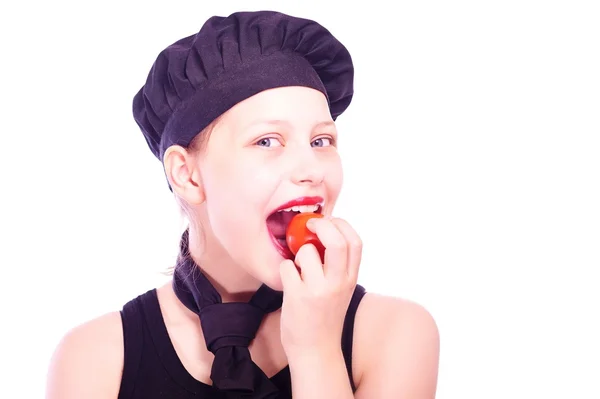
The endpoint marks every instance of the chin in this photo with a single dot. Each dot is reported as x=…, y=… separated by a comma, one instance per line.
x=274, y=281
x=266, y=268
x=276, y=285
x=272, y=277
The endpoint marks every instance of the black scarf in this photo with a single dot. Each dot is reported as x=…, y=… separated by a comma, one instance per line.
x=228, y=328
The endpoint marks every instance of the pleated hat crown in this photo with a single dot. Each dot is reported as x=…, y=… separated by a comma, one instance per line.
x=198, y=78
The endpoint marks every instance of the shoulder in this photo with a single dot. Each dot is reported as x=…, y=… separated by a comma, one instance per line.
x=88, y=360
x=397, y=348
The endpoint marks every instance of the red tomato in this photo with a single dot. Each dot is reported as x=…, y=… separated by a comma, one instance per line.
x=298, y=234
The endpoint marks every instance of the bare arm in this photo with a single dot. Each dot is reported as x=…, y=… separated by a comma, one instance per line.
x=395, y=356
x=88, y=361
x=403, y=359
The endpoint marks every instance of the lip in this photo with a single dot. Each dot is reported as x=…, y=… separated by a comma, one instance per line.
x=284, y=251
x=300, y=201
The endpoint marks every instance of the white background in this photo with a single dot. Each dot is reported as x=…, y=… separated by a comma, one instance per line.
x=472, y=166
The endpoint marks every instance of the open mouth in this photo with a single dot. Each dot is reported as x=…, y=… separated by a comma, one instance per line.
x=278, y=222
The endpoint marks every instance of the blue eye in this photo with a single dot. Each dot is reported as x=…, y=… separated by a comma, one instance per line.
x=322, y=142
x=268, y=142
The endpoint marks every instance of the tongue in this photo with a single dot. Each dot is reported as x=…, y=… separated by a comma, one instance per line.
x=278, y=223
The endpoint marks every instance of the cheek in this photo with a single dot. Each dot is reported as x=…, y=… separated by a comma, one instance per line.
x=237, y=196
x=334, y=178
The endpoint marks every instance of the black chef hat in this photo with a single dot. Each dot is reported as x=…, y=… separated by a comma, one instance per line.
x=198, y=78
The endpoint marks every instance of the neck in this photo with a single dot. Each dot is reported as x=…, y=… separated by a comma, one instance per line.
x=230, y=279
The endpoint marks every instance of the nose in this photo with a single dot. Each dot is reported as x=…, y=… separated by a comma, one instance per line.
x=307, y=169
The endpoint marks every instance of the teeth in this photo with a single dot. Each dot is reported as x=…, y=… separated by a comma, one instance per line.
x=302, y=208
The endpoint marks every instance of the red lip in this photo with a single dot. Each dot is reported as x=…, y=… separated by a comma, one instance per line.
x=300, y=201
x=283, y=250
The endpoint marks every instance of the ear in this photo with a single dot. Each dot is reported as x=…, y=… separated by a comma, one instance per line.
x=183, y=174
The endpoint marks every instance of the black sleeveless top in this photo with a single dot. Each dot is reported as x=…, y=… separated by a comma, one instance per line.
x=153, y=370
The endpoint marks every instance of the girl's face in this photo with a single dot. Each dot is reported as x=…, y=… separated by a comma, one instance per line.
x=275, y=147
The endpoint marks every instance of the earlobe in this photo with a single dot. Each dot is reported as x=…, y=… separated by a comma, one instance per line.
x=183, y=175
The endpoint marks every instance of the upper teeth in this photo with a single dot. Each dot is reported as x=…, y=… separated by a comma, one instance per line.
x=302, y=208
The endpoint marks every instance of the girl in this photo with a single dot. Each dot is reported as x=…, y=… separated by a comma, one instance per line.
x=242, y=116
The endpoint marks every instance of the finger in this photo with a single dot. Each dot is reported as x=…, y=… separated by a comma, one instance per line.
x=355, y=246
x=336, y=252
x=309, y=261
x=290, y=278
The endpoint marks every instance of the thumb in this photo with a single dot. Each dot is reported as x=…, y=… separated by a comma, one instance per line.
x=290, y=278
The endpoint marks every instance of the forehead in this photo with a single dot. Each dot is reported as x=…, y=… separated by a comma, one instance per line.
x=296, y=106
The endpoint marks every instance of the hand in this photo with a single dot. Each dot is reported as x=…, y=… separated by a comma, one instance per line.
x=316, y=298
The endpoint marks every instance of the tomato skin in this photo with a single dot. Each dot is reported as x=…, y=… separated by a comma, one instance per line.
x=297, y=234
